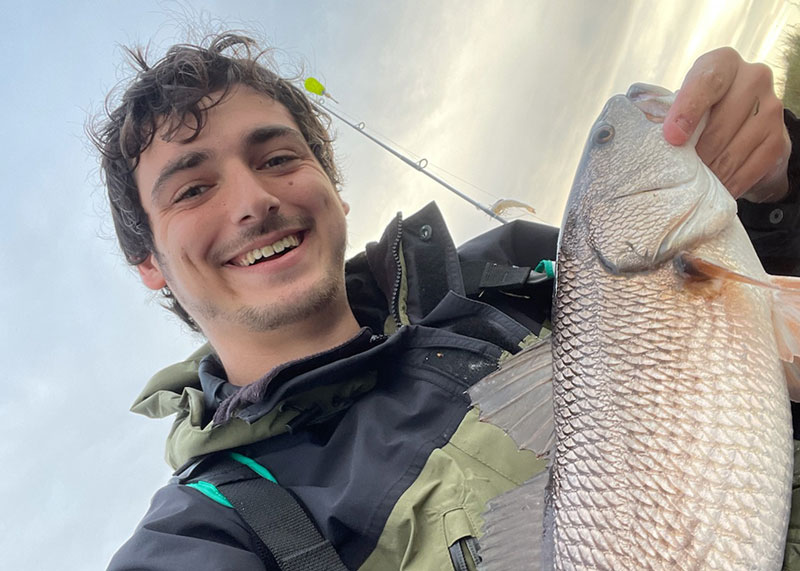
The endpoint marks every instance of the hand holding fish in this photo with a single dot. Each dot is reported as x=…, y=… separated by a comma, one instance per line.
x=745, y=142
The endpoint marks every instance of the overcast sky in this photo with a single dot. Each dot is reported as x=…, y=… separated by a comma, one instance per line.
x=498, y=96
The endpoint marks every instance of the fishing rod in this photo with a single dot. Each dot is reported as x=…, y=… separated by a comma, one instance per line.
x=315, y=87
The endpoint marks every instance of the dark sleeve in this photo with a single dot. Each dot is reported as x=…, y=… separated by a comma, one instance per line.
x=518, y=243
x=183, y=529
x=774, y=228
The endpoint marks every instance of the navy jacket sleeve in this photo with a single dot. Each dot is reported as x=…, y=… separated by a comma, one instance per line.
x=774, y=228
x=183, y=529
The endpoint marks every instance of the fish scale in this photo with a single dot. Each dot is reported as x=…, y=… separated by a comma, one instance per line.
x=671, y=443
x=660, y=480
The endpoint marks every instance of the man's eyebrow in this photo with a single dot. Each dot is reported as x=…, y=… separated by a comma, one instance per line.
x=181, y=163
x=195, y=158
x=269, y=132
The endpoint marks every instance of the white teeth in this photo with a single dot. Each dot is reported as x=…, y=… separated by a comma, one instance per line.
x=267, y=251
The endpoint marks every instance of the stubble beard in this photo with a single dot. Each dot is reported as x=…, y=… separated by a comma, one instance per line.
x=280, y=313
x=322, y=295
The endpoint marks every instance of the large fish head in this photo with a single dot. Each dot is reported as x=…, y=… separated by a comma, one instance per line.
x=637, y=200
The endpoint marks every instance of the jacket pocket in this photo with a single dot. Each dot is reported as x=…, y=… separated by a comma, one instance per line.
x=459, y=535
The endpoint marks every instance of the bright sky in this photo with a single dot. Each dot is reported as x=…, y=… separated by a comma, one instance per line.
x=498, y=96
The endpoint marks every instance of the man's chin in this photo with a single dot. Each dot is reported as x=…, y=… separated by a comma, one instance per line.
x=302, y=307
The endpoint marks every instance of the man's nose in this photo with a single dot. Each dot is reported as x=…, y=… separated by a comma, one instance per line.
x=250, y=195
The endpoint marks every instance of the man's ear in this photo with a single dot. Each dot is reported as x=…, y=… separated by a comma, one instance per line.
x=345, y=206
x=151, y=274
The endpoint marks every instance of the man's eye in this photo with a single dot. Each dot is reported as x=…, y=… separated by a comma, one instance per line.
x=191, y=192
x=278, y=161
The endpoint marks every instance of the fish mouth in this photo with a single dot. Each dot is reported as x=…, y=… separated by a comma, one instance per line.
x=682, y=185
x=652, y=100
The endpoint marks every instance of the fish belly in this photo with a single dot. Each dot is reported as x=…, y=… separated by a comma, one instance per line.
x=673, y=427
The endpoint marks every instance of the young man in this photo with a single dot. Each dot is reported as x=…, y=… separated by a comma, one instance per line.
x=344, y=383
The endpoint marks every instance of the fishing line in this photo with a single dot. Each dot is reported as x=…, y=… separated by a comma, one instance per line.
x=421, y=164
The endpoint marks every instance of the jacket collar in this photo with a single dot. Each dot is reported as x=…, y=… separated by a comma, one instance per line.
x=414, y=265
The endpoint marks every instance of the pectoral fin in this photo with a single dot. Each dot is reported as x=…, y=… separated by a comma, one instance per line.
x=785, y=309
x=786, y=317
x=518, y=398
x=695, y=267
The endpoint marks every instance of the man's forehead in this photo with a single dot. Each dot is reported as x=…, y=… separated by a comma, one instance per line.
x=186, y=126
x=242, y=116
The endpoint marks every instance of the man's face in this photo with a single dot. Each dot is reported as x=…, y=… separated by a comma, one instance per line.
x=248, y=228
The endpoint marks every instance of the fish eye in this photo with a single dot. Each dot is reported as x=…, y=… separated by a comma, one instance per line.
x=603, y=135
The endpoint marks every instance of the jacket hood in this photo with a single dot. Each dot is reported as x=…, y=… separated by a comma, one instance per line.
x=309, y=396
x=171, y=389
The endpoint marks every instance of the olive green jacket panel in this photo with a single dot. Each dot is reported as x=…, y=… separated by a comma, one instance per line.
x=165, y=390
x=176, y=390
x=445, y=503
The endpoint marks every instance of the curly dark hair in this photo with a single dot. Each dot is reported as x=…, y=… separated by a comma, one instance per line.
x=173, y=93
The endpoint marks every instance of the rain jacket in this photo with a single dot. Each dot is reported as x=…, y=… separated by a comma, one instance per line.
x=376, y=437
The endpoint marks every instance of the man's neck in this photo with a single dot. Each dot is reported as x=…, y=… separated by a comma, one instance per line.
x=247, y=356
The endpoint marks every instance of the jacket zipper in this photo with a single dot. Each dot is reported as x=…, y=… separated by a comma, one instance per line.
x=472, y=547
x=466, y=547
x=398, y=276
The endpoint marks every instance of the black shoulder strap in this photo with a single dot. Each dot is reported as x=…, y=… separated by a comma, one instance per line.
x=291, y=540
x=479, y=275
x=284, y=527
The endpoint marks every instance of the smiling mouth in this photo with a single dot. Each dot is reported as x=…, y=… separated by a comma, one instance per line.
x=268, y=252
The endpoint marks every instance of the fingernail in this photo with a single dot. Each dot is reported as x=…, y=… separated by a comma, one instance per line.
x=674, y=134
x=683, y=124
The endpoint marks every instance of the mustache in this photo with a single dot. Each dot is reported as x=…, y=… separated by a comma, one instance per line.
x=271, y=223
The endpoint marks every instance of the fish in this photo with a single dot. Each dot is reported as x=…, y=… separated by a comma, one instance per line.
x=662, y=397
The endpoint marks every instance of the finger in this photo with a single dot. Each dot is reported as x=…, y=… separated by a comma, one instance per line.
x=740, y=157
x=706, y=83
x=751, y=133
x=744, y=105
x=762, y=177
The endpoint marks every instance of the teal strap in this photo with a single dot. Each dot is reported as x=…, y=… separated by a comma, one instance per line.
x=211, y=491
x=254, y=466
x=547, y=267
